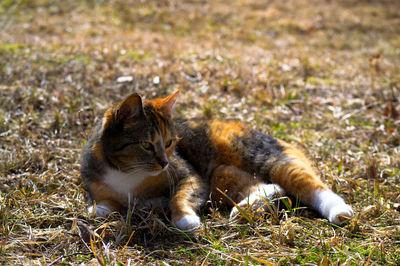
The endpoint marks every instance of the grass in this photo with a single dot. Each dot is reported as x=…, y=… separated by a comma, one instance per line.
x=322, y=74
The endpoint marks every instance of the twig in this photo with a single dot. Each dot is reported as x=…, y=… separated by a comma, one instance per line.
x=69, y=255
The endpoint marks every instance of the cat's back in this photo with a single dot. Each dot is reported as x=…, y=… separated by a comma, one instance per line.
x=208, y=143
x=194, y=144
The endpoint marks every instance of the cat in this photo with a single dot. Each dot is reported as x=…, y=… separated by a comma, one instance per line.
x=139, y=153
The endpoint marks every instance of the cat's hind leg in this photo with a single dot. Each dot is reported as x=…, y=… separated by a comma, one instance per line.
x=247, y=191
x=296, y=175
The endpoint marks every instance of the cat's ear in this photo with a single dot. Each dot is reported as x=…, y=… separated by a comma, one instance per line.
x=168, y=102
x=130, y=107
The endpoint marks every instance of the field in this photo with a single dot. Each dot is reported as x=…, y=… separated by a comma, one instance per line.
x=324, y=75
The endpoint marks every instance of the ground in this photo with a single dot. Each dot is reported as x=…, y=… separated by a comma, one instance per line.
x=324, y=75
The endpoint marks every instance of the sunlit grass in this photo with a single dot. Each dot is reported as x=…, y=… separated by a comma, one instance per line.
x=324, y=75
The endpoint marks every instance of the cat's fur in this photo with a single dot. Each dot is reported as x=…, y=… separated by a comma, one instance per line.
x=138, y=153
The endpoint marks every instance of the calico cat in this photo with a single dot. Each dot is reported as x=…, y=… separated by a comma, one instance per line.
x=139, y=153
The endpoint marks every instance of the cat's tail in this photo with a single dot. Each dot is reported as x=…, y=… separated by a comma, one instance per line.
x=294, y=172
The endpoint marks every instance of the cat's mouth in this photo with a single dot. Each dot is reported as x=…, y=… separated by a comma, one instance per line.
x=157, y=172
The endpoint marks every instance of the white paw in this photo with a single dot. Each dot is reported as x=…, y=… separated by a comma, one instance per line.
x=340, y=214
x=256, y=199
x=332, y=207
x=270, y=190
x=188, y=222
x=235, y=212
x=101, y=210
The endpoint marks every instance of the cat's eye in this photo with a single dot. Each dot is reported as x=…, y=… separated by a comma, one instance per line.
x=168, y=144
x=147, y=145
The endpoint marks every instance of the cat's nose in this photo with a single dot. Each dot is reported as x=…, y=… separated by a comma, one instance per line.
x=163, y=162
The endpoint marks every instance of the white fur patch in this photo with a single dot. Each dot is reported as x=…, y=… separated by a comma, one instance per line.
x=101, y=210
x=123, y=183
x=188, y=222
x=332, y=206
x=255, y=199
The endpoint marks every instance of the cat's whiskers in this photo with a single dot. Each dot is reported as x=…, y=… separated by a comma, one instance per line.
x=144, y=168
x=137, y=167
x=135, y=171
x=172, y=176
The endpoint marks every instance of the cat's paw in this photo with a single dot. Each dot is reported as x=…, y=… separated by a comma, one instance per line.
x=256, y=201
x=188, y=222
x=256, y=207
x=332, y=206
x=236, y=214
x=340, y=214
x=101, y=210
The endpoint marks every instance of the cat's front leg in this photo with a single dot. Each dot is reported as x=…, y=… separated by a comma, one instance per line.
x=107, y=200
x=257, y=198
x=190, y=194
x=103, y=208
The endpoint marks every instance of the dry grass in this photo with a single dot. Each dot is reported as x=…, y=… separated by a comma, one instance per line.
x=322, y=74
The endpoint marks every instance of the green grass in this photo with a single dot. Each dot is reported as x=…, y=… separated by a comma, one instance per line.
x=324, y=75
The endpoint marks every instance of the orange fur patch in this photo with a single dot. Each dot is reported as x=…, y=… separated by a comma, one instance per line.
x=107, y=118
x=163, y=104
x=235, y=183
x=156, y=103
x=97, y=150
x=297, y=176
x=152, y=186
x=103, y=193
x=170, y=150
x=222, y=135
x=164, y=130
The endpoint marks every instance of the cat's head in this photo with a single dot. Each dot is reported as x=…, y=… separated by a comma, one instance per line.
x=139, y=136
